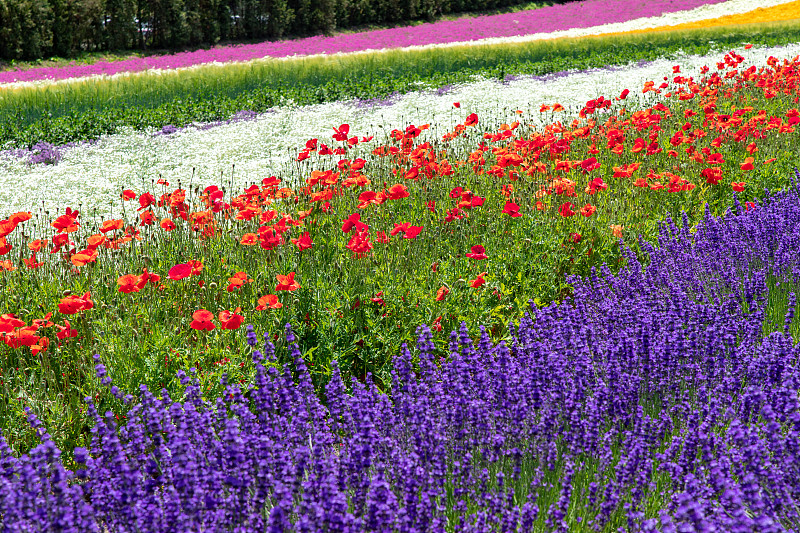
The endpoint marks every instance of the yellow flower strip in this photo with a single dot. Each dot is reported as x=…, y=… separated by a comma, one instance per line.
x=783, y=12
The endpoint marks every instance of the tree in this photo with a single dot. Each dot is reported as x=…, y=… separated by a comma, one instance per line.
x=120, y=24
x=168, y=24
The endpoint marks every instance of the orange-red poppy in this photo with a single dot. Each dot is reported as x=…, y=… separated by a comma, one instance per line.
x=478, y=281
x=442, y=293
x=304, y=242
x=231, y=320
x=238, y=280
x=268, y=301
x=74, y=304
x=286, y=283
x=111, y=225
x=202, y=319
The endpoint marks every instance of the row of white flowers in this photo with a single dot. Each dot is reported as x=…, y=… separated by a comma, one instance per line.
x=244, y=152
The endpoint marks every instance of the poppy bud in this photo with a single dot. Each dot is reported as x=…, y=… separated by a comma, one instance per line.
x=67, y=293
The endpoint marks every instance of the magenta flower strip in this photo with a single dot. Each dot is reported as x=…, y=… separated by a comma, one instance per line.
x=547, y=19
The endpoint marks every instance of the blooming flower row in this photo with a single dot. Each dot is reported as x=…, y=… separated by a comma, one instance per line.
x=589, y=17
x=93, y=174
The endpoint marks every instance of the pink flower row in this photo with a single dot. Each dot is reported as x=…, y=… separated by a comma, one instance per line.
x=568, y=16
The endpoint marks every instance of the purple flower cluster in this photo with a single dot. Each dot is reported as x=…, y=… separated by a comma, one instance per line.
x=651, y=401
x=547, y=19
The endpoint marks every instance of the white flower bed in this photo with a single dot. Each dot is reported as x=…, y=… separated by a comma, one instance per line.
x=93, y=175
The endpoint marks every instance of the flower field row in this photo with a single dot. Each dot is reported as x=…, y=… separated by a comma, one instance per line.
x=597, y=15
x=650, y=401
x=91, y=176
x=64, y=113
x=468, y=224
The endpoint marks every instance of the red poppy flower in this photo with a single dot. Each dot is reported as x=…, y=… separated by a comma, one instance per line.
x=111, y=225
x=738, y=186
x=74, y=304
x=341, y=132
x=146, y=200
x=748, y=164
x=400, y=228
x=366, y=198
x=478, y=281
x=398, y=191
x=180, y=271
x=84, y=257
x=237, y=280
x=712, y=175
x=197, y=267
x=653, y=148
x=354, y=221
x=359, y=243
x=231, y=320
x=132, y=283
x=128, y=194
x=412, y=232
x=512, y=209
x=472, y=119
x=268, y=301
x=249, y=239
x=8, y=322
x=456, y=104
x=575, y=237
x=442, y=293
x=32, y=263
x=588, y=210
x=566, y=209
x=304, y=242
x=65, y=331
x=167, y=224
x=590, y=164
x=596, y=185
x=202, y=319
x=381, y=237
x=477, y=253
x=286, y=283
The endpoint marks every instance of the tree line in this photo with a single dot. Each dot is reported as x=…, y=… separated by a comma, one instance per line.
x=33, y=29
